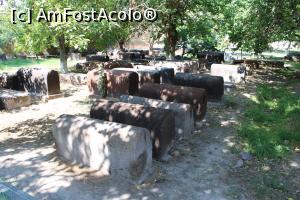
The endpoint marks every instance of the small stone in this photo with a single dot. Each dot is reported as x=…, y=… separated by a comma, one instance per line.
x=176, y=154
x=246, y=156
x=239, y=164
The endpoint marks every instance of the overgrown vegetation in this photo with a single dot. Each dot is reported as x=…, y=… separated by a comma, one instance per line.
x=271, y=127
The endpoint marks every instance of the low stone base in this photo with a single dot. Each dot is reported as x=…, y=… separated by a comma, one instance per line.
x=11, y=99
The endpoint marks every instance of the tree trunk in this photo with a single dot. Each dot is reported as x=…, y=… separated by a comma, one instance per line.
x=121, y=45
x=172, y=39
x=63, y=54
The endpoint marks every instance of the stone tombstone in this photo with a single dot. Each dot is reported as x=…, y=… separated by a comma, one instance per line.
x=214, y=85
x=39, y=81
x=196, y=97
x=159, y=122
x=122, y=82
x=183, y=113
x=107, y=146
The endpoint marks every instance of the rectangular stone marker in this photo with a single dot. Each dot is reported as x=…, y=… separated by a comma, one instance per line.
x=196, y=97
x=214, y=85
x=12, y=99
x=101, y=145
x=230, y=73
x=160, y=122
x=73, y=79
x=166, y=74
x=188, y=66
x=9, y=81
x=36, y=80
x=122, y=83
x=97, y=58
x=145, y=75
x=183, y=113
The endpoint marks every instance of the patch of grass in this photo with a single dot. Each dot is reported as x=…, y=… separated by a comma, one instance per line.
x=230, y=102
x=4, y=197
x=15, y=64
x=271, y=127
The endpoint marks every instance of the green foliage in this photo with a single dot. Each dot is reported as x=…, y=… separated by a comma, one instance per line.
x=271, y=127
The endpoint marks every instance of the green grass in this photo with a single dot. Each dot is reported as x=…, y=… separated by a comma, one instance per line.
x=4, y=197
x=15, y=64
x=271, y=127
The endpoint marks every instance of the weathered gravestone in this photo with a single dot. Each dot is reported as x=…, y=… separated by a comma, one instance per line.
x=122, y=82
x=145, y=75
x=9, y=81
x=178, y=66
x=97, y=58
x=230, y=73
x=12, y=99
x=102, y=145
x=183, y=113
x=166, y=74
x=196, y=97
x=160, y=122
x=39, y=81
x=73, y=79
x=214, y=85
x=93, y=82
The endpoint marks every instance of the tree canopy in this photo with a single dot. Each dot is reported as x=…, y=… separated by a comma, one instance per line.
x=195, y=24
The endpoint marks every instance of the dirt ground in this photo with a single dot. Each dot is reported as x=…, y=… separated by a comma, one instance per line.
x=203, y=167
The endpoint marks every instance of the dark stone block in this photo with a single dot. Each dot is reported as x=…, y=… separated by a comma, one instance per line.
x=214, y=85
x=9, y=81
x=41, y=81
x=97, y=58
x=212, y=57
x=196, y=97
x=132, y=55
x=145, y=75
x=167, y=75
x=122, y=83
x=159, y=122
x=272, y=64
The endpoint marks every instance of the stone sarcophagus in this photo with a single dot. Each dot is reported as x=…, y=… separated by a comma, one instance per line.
x=122, y=82
x=196, y=97
x=183, y=113
x=9, y=81
x=39, y=81
x=159, y=122
x=214, y=85
x=145, y=75
x=188, y=66
x=230, y=73
x=106, y=146
x=166, y=74
x=97, y=58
